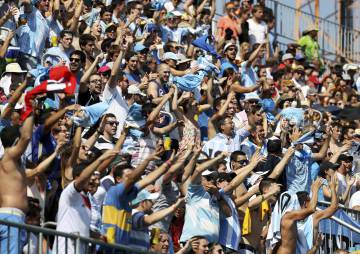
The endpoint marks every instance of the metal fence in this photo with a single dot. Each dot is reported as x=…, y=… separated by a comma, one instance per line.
x=334, y=40
x=336, y=240
x=28, y=239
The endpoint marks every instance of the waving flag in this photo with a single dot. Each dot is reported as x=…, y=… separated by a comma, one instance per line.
x=60, y=80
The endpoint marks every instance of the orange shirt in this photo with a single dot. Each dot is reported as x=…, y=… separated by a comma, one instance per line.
x=227, y=22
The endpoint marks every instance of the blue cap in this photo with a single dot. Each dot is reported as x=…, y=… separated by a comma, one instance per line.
x=139, y=47
x=299, y=57
x=145, y=195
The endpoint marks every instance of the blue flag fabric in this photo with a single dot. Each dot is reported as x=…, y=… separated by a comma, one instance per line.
x=201, y=43
x=329, y=226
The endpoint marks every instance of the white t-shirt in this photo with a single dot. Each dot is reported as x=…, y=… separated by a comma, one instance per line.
x=355, y=200
x=73, y=217
x=257, y=31
x=118, y=106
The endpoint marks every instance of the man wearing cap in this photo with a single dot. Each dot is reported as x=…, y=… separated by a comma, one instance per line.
x=228, y=62
x=142, y=219
x=345, y=180
x=309, y=44
x=13, y=75
x=142, y=53
x=286, y=61
x=204, y=203
x=171, y=32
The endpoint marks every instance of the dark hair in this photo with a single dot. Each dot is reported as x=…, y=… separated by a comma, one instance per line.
x=131, y=5
x=109, y=115
x=119, y=169
x=65, y=32
x=105, y=9
x=222, y=121
x=256, y=7
x=235, y=154
x=302, y=196
x=274, y=145
x=77, y=169
x=9, y=135
x=129, y=55
x=107, y=44
x=80, y=54
x=265, y=183
x=85, y=39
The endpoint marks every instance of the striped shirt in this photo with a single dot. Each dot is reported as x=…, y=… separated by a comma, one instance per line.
x=201, y=215
x=139, y=234
x=116, y=218
x=230, y=233
x=221, y=142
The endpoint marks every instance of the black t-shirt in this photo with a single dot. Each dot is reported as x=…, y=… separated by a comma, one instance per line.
x=87, y=98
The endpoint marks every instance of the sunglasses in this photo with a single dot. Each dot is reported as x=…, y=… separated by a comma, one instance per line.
x=113, y=123
x=76, y=60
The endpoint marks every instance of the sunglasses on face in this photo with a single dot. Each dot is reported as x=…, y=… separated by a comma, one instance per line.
x=113, y=123
x=76, y=60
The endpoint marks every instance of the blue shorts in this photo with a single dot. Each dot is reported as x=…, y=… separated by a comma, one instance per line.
x=11, y=238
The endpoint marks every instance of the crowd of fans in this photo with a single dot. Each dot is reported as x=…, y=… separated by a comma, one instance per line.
x=136, y=123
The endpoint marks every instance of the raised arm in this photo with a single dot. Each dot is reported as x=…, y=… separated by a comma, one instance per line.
x=52, y=119
x=75, y=20
x=6, y=44
x=279, y=168
x=176, y=166
x=139, y=171
x=43, y=166
x=329, y=211
x=244, y=172
x=117, y=147
x=155, y=112
x=322, y=153
x=196, y=176
x=154, y=175
x=86, y=76
x=253, y=56
x=273, y=190
x=26, y=132
x=14, y=99
x=191, y=164
x=159, y=215
x=81, y=181
x=76, y=148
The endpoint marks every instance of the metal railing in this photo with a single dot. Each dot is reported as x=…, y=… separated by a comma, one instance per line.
x=334, y=240
x=24, y=238
x=334, y=40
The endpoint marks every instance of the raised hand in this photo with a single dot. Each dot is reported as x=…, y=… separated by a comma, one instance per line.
x=275, y=188
x=332, y=183
x=316, y=185
x=180, y=202
x=108, y=154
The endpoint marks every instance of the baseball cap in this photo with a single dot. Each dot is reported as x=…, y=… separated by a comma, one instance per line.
x=328, y=165
x=345, y=157
x=139, y=47
x=287, y=56
x=226, y=176
x=145, y=195
x=228, y=45
x=170, y=56
x=103, y=69
x=133, y=89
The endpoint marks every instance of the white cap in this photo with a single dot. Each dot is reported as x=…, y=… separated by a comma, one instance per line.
x=133, y=89
x=228, y=45
x=287, y=56
x=170, y=56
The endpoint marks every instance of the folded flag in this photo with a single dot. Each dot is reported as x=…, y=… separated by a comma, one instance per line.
x=60, y=80
x=202, y=43
x=90, y=114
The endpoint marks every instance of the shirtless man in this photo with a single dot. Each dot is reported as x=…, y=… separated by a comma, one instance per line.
x=13, y=193
x=288, y=222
